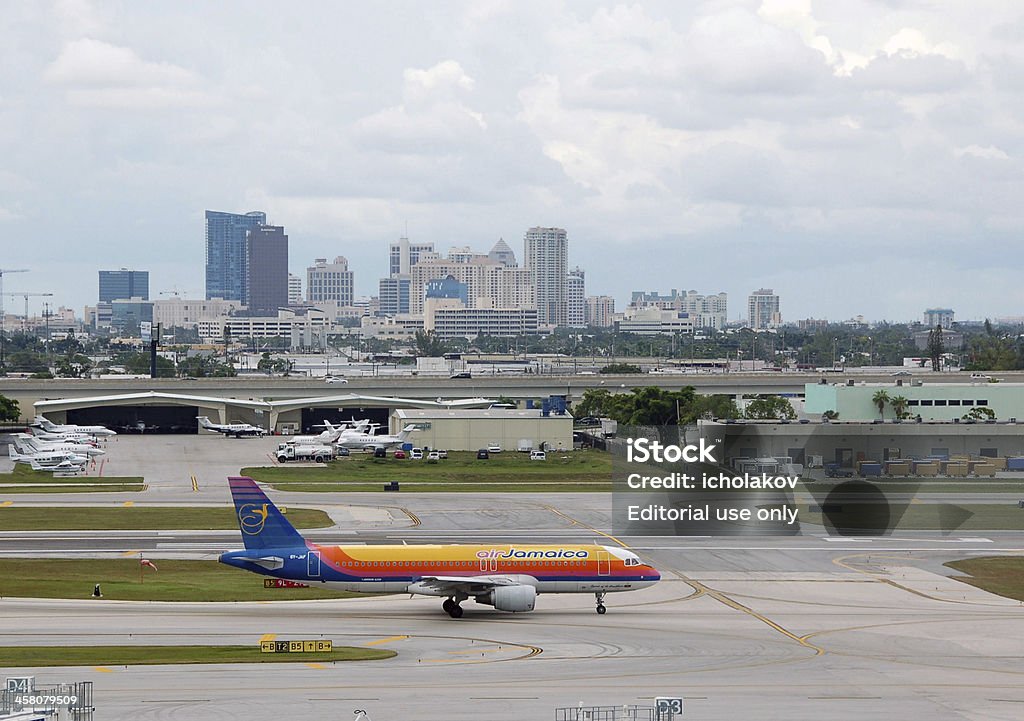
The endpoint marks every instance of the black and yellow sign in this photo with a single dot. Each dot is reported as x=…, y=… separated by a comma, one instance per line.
x=320, y=646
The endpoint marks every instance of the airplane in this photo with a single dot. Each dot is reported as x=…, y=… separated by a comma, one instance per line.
x=46, y=425
x=506, y=576
x=368, y=441
x=333, y=433
x=27, y=444
x=65, y=465
x=64, y=437
x=44, y=460
x=232, y=429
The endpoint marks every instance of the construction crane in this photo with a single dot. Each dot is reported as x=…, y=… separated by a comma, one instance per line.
x=26, y=296
x=2, y=316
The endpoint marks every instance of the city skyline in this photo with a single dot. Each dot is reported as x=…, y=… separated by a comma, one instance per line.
x=861, y=158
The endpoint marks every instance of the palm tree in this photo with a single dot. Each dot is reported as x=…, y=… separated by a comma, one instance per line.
x=899, y=406
x=880, y=398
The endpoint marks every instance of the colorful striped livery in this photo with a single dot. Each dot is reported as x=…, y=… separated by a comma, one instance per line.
x=506, y=576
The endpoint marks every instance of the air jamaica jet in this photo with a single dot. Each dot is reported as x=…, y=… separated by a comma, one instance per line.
x=506, y=576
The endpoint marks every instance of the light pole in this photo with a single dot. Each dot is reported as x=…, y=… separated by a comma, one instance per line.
x=835, y=344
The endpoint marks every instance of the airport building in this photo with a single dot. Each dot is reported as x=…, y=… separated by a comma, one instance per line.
x=473, y=429
x=931, y=401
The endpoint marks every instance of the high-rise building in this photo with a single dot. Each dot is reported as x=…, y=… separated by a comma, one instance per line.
x=598, y=311
x=763, y=309
x=448, y=287
x=393, y=295
x=226, y=253
x=330, y=282
x=502, y=253
x=707, y=311
x=546, y=255
x=501, y=286
x=404, y=255
x=266, y=279
x=294, y=289
x=123, y=284
x=576, y=294
x=939, y=316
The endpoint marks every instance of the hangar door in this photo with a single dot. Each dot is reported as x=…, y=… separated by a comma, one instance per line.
x=141, y=419
x=312, y=417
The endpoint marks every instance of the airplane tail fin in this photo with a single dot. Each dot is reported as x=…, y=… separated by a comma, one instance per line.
x=204, y=422
x=404, y=435
x=261, y=523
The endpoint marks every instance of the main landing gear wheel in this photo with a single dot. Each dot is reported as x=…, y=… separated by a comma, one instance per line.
x=452, y=608
x=601, y=610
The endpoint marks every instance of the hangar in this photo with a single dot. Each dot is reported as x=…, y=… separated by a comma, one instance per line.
x=162, y=412
x=471, y=429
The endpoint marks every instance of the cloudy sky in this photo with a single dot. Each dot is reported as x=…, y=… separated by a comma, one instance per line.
x=858, y=156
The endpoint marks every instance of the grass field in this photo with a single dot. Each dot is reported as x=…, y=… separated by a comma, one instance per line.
x=1002, y=575
x=936, y=517
x=25, y=480
x=119, y=580
x=30, y=518
x=149, y=655
x=461, y=471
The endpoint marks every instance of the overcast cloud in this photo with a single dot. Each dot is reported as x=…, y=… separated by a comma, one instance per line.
x=858, y=156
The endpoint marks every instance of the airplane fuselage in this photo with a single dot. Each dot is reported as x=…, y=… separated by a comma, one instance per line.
x=567, y=568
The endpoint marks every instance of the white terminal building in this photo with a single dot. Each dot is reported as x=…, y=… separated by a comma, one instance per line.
x=470, y=430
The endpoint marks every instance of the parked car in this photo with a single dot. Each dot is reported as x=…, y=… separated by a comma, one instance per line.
x=461, y=374
x=494, y=448
x=538, y=456
x=482, y=454
x=400, y=455
x=433, y=456
x=416, y=454
x=442, y=454
x=343, y=452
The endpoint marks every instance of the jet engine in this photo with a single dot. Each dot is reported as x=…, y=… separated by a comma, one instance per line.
x=516, y=599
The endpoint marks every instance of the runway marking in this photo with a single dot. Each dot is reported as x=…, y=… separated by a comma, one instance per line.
x=103, y=669
x=389, y=639
x=131, y=553
x=128, y=504
x=195, y=484
x=412, y=516
x=5, y=504
x=575, y=522
x=268, y=637
x=482, y=651
x=316, y=665
x=732, y=603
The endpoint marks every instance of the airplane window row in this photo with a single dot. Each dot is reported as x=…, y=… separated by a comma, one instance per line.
x=467, y=564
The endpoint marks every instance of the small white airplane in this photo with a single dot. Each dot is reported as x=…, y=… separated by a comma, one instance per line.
x=65, y=437
x=368, y=441
x=45, y=460
x=43, y=423
x=29, y=445
x=333, y=433
x=232, y=429
x=65, y=465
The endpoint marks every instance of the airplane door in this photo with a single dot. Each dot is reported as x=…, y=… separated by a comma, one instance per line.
x=604, y=563
x=313, y=568
x=488, y=565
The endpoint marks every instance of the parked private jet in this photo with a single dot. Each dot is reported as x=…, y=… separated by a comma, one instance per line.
x=232, y=429
x=43, y=423
x=27, y=444
x=368, y=441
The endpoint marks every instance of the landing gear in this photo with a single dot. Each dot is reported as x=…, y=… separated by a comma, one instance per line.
x=600, y=603
x=452, y=608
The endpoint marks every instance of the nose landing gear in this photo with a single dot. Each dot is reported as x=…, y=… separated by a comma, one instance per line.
x=601, y=609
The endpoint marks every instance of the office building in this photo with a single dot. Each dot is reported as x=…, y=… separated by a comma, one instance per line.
x=266, y=280
x=576, y=293
x=294, y=290
x=122, y=284
x=546, y=255
x=404, y=255
x=227, y=254
x=330, y=282
x=650, y=320
x=498, y=285
x=453, y=321
x=598, y=311
x=502, y=253
x=707, y=311
x=939, y=316
x=126, y=314
x=448, y=287
x=185, y=313
x=763, y=309
x=393, y=295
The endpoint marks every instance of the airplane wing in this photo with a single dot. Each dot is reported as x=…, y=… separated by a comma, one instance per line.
x=469, y=585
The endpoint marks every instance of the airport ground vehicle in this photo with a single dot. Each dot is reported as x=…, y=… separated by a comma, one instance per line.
x=293, y=452
x=507, y=576
x=538, y=456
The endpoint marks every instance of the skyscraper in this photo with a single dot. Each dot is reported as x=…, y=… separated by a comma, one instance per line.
x=327, y=282
x=763, y=309
x=226, y=254
x=404, y=255
x=546, y=255
x=576, y=294
x=123, y=284
x=266, y=278
x=294, y=290
x=502, y=253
